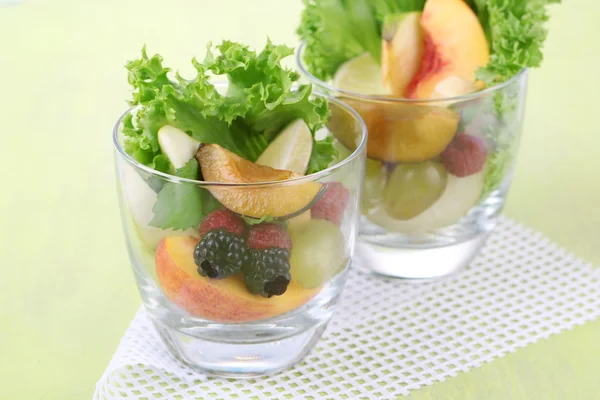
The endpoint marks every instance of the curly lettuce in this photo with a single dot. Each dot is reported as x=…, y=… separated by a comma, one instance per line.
x=261, y=99
x=516, y=33
x=338, y=30
x=259, y=102
x=335, y=31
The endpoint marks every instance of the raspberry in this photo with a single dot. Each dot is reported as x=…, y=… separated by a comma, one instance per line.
x=332, y=204
x=267, y=272
x=265, y=236
x=220, y=254
x=222, y=219
x=465, y=155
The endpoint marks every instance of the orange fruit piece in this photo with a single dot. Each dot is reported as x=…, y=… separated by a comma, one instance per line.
x=406, y=133
x=226, y=300
x=223, y=166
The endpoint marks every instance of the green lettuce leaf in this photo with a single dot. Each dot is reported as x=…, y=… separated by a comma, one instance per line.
x=501, y=159
x=323, y=153
x=162, y=102
x=338, y=30
x=261, y=99
x=389, y=7
x=516, y=32
x=182, y=206
x=258, y=221
x=335, y=31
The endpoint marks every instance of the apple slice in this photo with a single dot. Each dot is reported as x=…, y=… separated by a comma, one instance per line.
x=402, y=50
x=178, y=146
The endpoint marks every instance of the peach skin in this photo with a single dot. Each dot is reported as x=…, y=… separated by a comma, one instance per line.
x=225, y=300
x=455, y=45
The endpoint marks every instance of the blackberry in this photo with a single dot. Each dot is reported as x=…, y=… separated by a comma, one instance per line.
x=267, y=272
x=220, y=254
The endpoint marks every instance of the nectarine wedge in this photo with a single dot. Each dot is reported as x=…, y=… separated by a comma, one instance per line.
x=455, y=45
x=224, y=300
x=221, y=165
x=406, y=133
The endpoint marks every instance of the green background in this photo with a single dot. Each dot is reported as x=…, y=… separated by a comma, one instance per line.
x=67, y=293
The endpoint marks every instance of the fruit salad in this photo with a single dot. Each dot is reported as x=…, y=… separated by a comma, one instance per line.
x=440, y=86
x=232, y=210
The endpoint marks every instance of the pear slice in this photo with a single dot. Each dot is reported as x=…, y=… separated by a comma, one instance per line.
x=178, y=146
x=402, y=50
x=290, y=150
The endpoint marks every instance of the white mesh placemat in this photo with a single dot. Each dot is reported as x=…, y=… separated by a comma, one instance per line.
x=390, y=337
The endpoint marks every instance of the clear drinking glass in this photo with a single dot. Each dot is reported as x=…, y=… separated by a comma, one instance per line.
x=437, y=174
x=217, y=326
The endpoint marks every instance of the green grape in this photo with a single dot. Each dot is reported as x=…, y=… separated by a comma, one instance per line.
x=374, y=184
x=317, y=252
x=413, y=188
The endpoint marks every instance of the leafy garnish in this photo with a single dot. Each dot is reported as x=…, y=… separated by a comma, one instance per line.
x=257, y=221
x=389, y=7
x=259, y=95
x=182, y=205
x=494, y=119
x=322, y=154
x=496, y=168
x=516, y=32
x=501, y=158
x=260, y=101
x=336, y=31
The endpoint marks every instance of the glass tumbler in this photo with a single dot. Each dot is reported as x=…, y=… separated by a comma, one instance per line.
x=437, y=174
x=218, y=326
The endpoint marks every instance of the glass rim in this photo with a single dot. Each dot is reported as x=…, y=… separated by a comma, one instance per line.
x=380, y=98
x=301, y=179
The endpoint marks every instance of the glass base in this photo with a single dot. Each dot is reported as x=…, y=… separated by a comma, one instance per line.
x=239, y=350
x=239, y=360
x=419, y=263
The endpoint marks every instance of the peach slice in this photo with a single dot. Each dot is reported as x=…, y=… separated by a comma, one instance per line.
x=454, y=86
x=407, y=133
x=402, y=50
x=224, y=300
x=455, y=45
x=221, y=165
